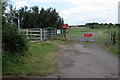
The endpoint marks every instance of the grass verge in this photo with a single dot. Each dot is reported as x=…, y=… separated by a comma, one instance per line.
x=113, y=49
x=40, y=62
x=103, y=42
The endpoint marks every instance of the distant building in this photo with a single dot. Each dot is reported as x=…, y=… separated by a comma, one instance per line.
x=119, y=12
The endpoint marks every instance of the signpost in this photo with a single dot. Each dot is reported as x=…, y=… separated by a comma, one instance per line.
x=58, y=31
x=65, y=27
x=87, y=35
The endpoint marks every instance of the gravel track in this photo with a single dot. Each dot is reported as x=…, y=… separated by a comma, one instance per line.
x=80, y=60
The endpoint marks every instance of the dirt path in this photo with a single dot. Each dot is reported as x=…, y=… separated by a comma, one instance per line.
x=80, y=60
x=86, y=61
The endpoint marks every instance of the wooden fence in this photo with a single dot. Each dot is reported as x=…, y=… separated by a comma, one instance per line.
x=39, y=34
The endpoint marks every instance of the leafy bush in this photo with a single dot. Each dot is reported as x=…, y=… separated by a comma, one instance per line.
x=14, y=44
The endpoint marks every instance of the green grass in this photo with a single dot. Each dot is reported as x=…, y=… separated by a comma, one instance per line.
x=75, y=35
x=41, y=61
x=78, y=31
x=113, y=49
x=103, y=41
x=103, y=36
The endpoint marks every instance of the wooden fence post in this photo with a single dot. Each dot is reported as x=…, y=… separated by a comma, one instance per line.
x=27, y=33
x=49, y=33
x=65, y=34
x=108, y=33
x=114, y=38
x=55, y=31
x=41, y=35
x=44, y=33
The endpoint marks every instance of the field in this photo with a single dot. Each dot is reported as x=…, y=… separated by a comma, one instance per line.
x=79, y=31
x=75, y=32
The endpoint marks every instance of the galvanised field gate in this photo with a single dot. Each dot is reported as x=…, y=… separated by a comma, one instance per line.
x=98, y=34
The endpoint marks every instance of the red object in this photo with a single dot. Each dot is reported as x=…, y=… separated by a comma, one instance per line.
x=87, y=35
x=65, y=26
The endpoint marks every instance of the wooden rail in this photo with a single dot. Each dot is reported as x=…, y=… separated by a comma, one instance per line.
x=35, y=34
x=39, y=34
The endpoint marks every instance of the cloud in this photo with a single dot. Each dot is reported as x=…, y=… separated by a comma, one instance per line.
x=83, y=11
x=88, y=11
x=20, y=4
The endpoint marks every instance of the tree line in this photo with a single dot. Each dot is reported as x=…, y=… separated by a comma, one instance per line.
x=34, y=17
x=94, y=25
x=100, y=25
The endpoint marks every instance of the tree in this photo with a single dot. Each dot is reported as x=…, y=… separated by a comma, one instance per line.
x=106, y=24
x=35, y=18
x=14, y=44
x=111, y=24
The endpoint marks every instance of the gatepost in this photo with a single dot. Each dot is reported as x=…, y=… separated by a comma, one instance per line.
x=49, y=33
x=65, y=27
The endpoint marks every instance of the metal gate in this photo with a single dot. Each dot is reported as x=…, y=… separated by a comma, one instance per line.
x=98, y=34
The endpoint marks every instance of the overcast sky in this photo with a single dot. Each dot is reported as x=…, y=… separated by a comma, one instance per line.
x=78, y=11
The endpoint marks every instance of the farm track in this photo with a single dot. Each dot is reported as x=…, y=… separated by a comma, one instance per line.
x=80, y=60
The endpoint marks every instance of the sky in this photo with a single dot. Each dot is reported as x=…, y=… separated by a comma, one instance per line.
x=78, y=12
